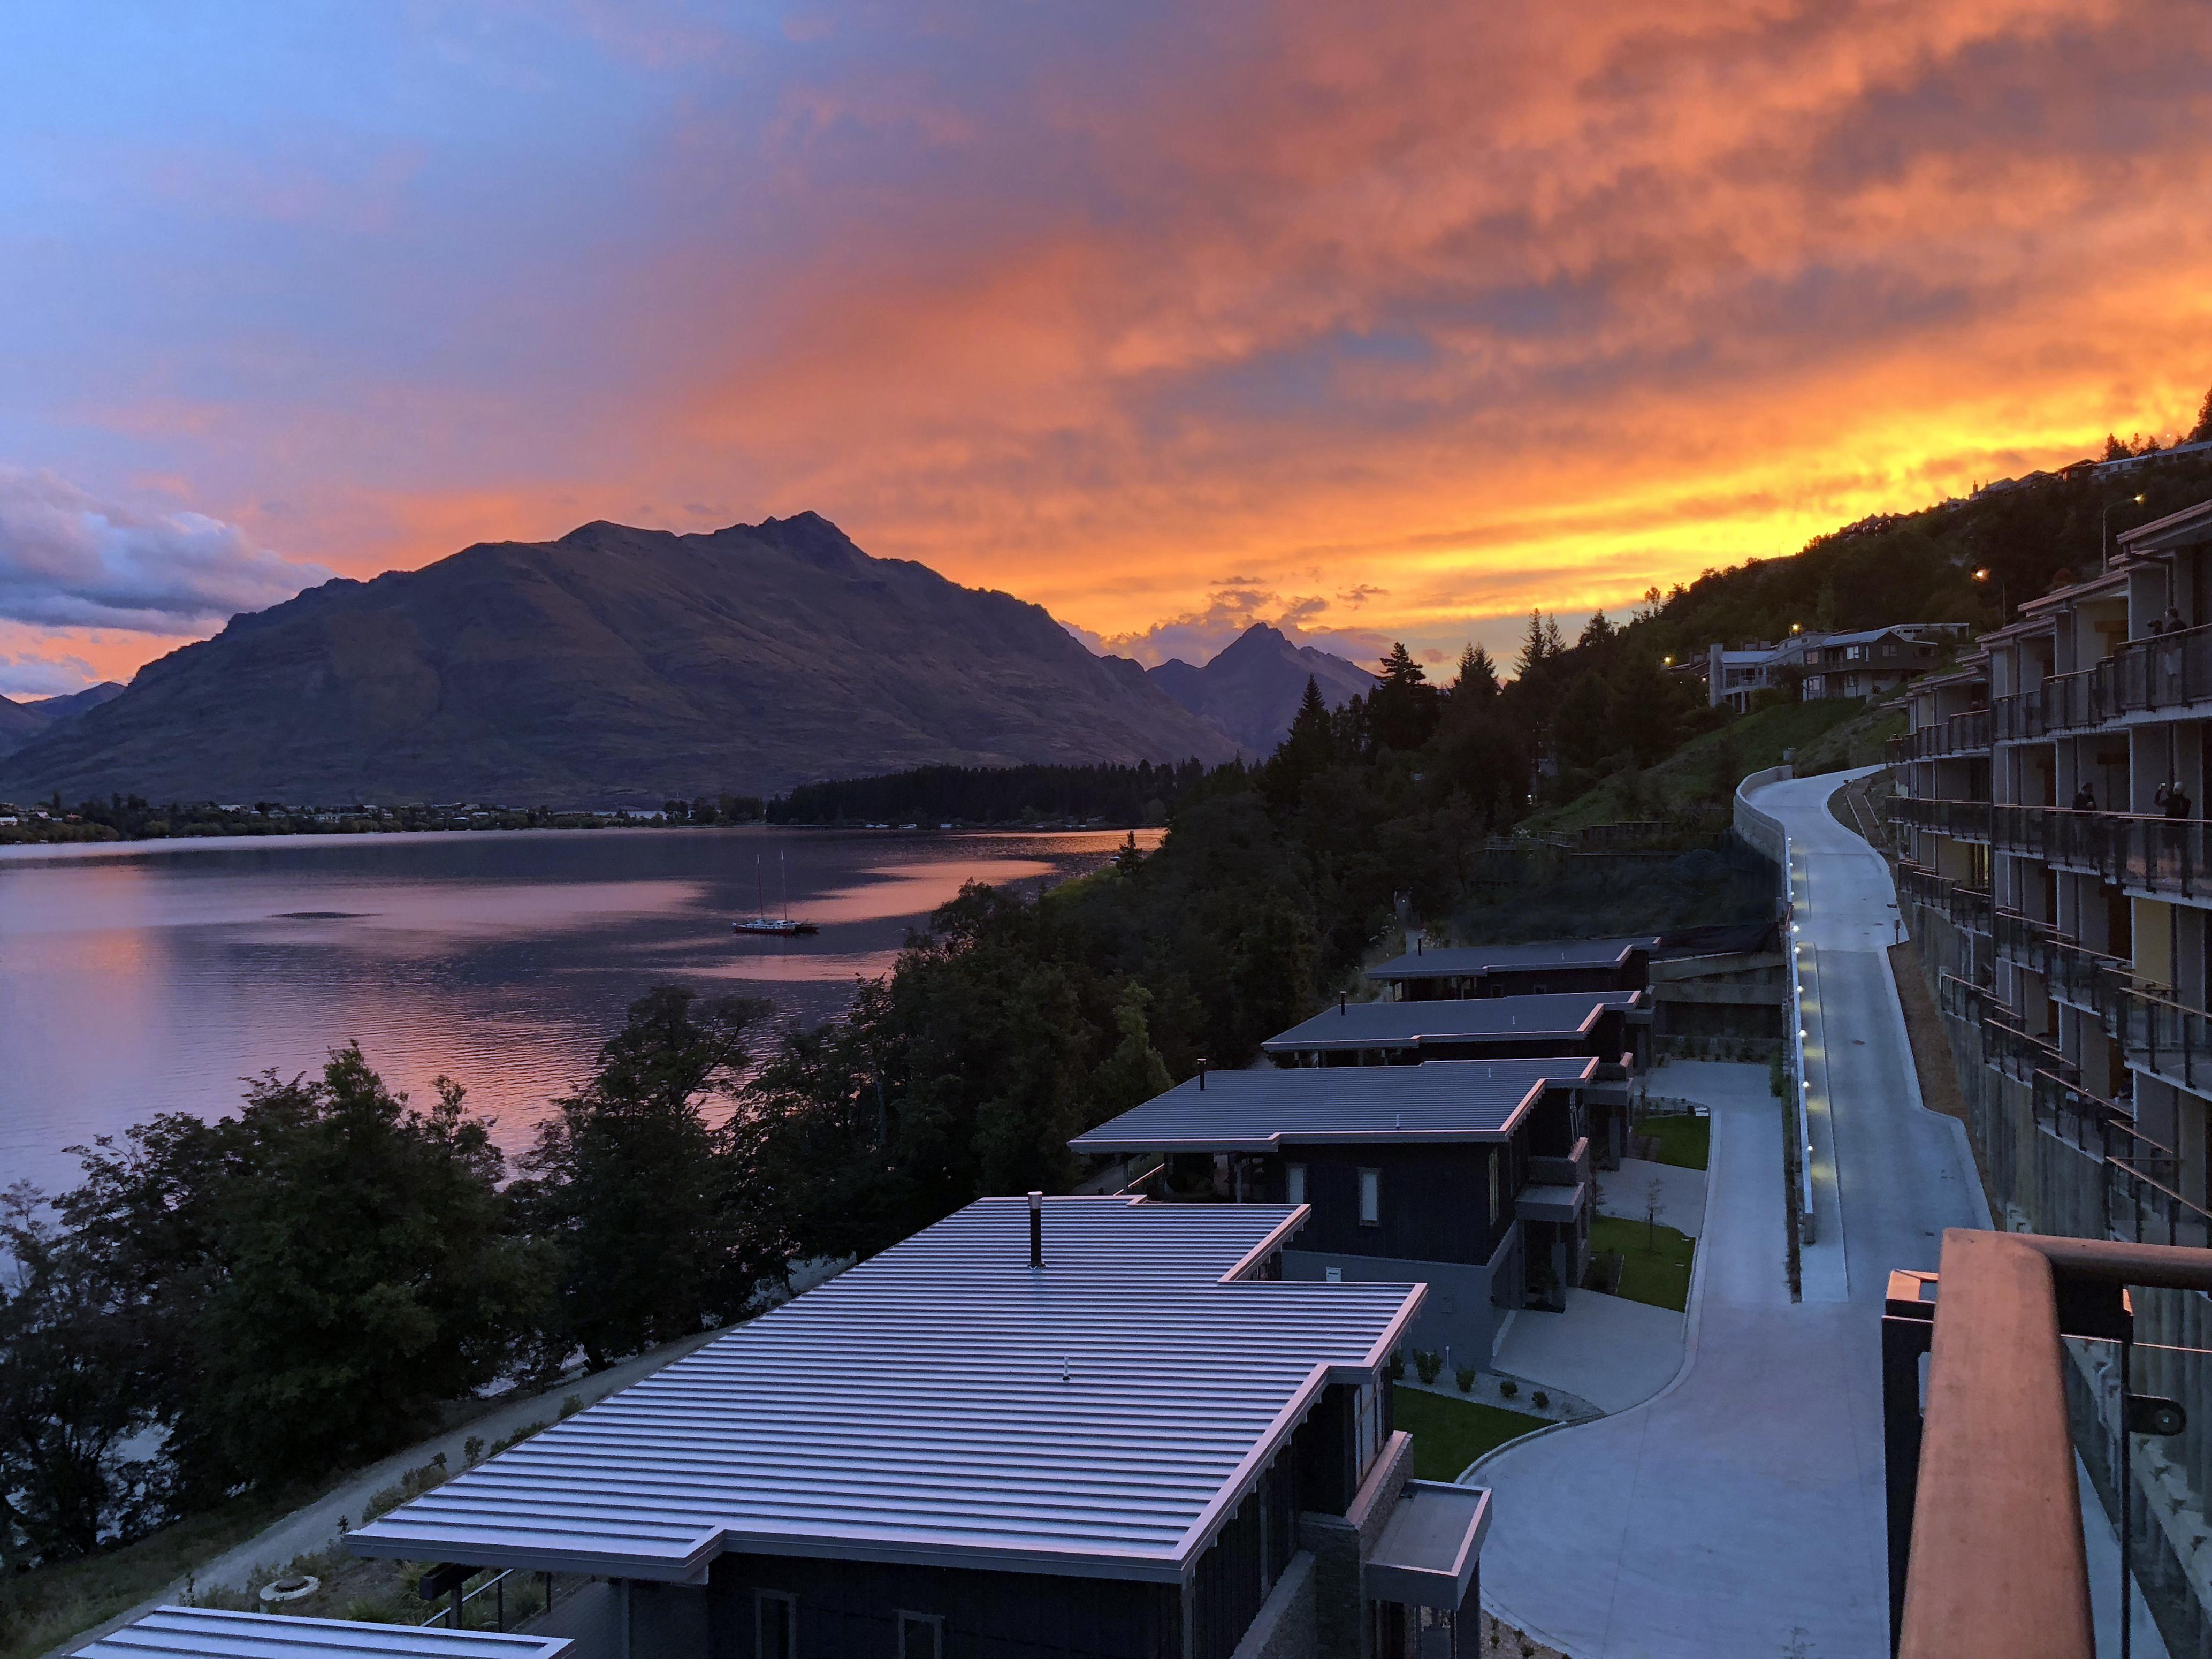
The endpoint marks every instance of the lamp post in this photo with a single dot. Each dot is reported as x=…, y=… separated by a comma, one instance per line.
x=2004, y=605
x=2104, y=519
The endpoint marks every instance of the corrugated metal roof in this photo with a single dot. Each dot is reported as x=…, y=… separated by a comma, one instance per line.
x=207, y=1633
x=1272, y=1106
x=1462, y=959
x=942, y=1402
x=1451, y=1020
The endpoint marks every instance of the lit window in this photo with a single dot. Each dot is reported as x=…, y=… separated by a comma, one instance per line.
x=1294, y=1180
x=779, y=1625
x=921, y=1636
x=1371, y=1198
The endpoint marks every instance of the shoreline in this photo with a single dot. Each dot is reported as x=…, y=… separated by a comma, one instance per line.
x=39, y=852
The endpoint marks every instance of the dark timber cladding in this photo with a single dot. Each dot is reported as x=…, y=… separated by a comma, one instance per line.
x=1492, y=970
x=1106, y=1455
x=1472, y=1177
x=1604, y=1024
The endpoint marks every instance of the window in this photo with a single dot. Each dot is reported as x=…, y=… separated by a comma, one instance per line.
x=1371, y=1198
x=921, y=1636
x=1496, y=1159
x=778, y=1632
x=1294, y=1182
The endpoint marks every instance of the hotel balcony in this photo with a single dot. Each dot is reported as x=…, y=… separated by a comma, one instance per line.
x=1967, y=820
x=2169, y=675
x=1969, y=908
x=2164, y=858
x=2019, y=719
x=1959, y=734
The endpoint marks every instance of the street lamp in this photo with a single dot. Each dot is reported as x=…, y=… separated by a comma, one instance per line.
x=2004, y=605
x=2104, y=542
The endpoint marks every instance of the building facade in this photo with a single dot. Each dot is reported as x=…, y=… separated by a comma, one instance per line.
x=1472, y=1177
x=2055, y=876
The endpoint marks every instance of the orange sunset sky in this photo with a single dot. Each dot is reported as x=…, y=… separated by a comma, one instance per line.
x=1383, y=321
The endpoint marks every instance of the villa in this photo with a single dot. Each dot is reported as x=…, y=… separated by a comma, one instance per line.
x=1091, y=1426
x=1472, y=1177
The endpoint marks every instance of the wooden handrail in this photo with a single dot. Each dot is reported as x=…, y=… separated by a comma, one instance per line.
x=1998, y=1566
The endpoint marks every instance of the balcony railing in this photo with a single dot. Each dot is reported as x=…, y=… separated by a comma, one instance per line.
x=2166, y=671
x=2159, y=855
x=2072, y=973
x=2018, y=718
x=1967, y=820
x=2137, y=1188
x=1957, y=734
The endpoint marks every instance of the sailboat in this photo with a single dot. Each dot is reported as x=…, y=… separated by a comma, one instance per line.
x=785, y=926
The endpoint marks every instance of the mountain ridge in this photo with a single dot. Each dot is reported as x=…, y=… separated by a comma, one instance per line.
x=1252, y=687
x=614, y=665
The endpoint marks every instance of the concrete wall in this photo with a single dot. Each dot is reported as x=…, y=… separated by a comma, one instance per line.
x=1460, y=1313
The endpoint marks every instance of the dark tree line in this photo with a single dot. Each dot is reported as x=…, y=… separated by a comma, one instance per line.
x=1140, y=794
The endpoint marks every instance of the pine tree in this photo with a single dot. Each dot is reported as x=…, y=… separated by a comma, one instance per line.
x=1555, y=643
x=2201, y=432
x=1597, y=631
x=1399, y=668
x=1478, y=674
x=1535, y=647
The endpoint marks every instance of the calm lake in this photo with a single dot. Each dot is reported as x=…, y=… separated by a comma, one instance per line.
x=153, y=976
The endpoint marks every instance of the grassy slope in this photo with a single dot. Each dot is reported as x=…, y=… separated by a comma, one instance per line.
x=37, y=1610
x=1688, y=776
x=1450, y=1434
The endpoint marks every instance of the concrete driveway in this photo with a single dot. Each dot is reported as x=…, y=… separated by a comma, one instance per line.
x=1740, y=1511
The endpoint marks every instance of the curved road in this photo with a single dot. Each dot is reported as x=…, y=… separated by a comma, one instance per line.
x=1740, y=1511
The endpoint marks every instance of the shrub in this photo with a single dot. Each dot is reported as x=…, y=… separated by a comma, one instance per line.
x=1428, y=1363
x=1465, y=1377
x=1542, y=1401
x=472, y=1450
x=1394, y=1367
x=413, y=1484
x=517, y=1437
x=1509, y=1388
x=573, y=1404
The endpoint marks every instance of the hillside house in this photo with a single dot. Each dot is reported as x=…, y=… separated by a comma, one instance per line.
x=1472, y=1177
x=1081, y=1426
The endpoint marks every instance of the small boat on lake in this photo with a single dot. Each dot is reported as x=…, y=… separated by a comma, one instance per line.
x=786, y=925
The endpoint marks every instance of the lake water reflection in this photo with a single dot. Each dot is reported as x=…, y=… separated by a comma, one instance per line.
x=155, y=976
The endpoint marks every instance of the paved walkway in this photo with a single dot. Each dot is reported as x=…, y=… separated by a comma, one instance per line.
x=1613, y=1353
x=1740, y=1511
x=1626, y=1192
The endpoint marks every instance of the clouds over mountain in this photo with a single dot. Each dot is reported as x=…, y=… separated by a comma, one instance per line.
x=69, y=560
x=1196, y=636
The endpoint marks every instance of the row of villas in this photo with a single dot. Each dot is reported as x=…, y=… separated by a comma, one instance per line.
x=1131, y=1426
x=2055, y=871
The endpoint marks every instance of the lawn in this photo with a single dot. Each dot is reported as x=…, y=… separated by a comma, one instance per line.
x=1686, y=1142
x=1656, y=1260
x=1450, y=1434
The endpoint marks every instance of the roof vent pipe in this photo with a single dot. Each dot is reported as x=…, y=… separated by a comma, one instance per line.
x=1037, y=1229
x=1201, y=1075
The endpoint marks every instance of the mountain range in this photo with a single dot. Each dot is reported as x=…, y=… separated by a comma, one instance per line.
x=1252, y=690
x=20, y=722
x=615, y=665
